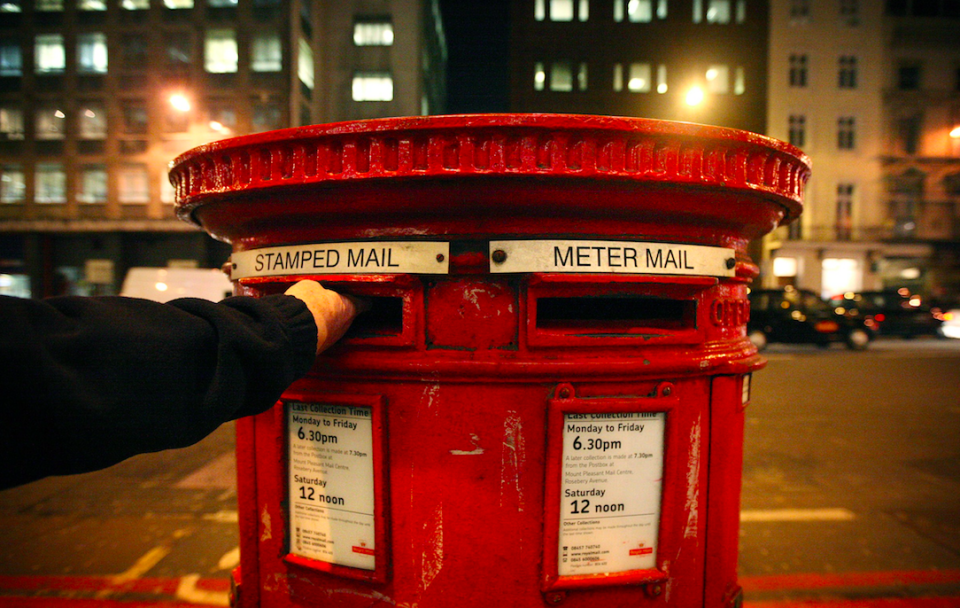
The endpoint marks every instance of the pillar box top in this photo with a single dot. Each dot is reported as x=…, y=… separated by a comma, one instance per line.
x=478, y=176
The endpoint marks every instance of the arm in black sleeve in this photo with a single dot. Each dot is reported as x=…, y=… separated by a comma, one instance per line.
x=88, y=382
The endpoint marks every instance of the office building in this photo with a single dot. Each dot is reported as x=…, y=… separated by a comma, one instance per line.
x=98, y=96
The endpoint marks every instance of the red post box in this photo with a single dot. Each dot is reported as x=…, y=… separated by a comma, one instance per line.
x=545, y=404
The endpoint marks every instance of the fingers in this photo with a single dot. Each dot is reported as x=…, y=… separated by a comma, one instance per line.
x=332, y=312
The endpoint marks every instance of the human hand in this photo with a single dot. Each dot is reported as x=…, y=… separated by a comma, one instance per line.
x=332, y=312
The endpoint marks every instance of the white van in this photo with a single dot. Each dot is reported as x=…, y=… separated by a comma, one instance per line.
x=164, y=284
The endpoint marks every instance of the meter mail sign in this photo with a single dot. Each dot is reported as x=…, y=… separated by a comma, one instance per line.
x=612, y=478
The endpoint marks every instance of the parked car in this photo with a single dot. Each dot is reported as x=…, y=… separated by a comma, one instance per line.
x=801, y=316
x=892, y=313
x=951, y=324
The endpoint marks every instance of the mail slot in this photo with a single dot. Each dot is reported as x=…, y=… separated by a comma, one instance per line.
x=544, y=405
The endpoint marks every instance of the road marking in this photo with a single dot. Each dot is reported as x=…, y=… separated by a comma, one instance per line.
x=224, y=517
x=230, y=559
x=764, y=515
x=188, y=591
x=143, y=565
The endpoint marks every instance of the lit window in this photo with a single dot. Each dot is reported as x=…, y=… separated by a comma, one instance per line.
x=718, y=79
x=49, y=123
x=372, y=86
x=639, y=78
x=539, y=76
x=561, y=77
x=178, y=4
x=266, y=52
x=50, y=183
x=717, y=11
x=133, y=184
x=847, y=72
x=93, y=184
x=10, y=6
x=48, y=5
x=220, y=51
x=846, y=133
x=167, y=193
x=92, y=121
x=639, y=11
x=373, y=32
x=305, y=69
x=840, y=275
x=661, y=79
x=13, y=187
x=561, y=10
x=49, y=57
x=785, y=267
x=135, y=5
x=540, y=10
x=798, y=70
x=797, y=130
x=92, y=53
x=11, y=60
x=92, y=5
x=617, y=77
x=221, y=3
x=11, y=123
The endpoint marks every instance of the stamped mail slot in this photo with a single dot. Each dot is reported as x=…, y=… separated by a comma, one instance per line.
x=383, y=318
x=395, y=305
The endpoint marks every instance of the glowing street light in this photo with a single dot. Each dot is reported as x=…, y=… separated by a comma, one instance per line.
x=180, y=102
x=956, y=132
x=694, y=96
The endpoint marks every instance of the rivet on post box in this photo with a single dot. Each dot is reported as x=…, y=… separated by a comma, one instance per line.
x=545, y=404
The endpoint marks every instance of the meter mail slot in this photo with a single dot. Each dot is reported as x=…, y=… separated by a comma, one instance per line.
x=544, y=405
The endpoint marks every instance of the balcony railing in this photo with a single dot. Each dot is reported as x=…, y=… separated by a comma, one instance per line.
x=903, y=230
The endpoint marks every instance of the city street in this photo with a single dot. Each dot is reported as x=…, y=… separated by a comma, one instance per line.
x=851, y=497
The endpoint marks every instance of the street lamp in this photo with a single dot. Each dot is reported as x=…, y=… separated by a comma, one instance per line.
x=180, y=102
x=695, y=96
x=956, y=132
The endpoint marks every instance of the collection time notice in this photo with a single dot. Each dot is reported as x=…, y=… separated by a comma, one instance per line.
x=612, y=478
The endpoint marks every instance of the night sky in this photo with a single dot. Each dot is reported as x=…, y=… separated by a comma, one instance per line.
x=477, y=38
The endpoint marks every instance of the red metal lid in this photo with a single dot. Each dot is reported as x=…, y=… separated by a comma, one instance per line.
x=402, y=175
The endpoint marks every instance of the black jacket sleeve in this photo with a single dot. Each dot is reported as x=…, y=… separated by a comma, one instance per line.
x=88, y=382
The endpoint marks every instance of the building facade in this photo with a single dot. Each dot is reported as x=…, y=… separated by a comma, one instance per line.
x=871, y=91
x=98, y=96
x=696, y=60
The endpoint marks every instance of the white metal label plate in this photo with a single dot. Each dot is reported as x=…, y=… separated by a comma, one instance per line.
x=331, y=483
x=423, y=257
x=612, y=481
x=626, y=257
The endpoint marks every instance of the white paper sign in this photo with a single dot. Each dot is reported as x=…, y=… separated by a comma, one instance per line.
x=617, y=257
x=343, y=258
x=610, y=492
x=331, y=483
